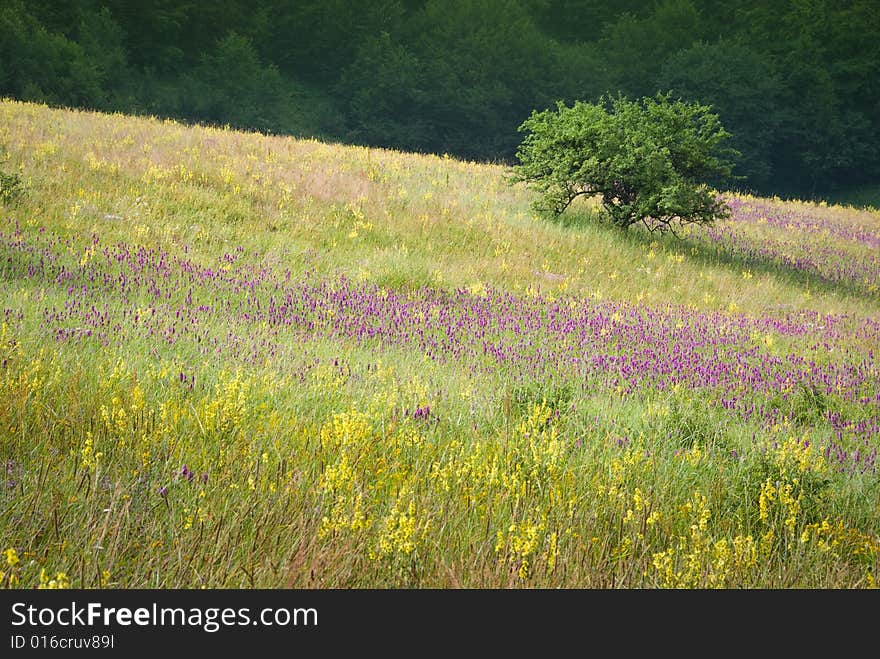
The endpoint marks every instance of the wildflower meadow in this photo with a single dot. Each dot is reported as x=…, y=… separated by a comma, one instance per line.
x=233, y=360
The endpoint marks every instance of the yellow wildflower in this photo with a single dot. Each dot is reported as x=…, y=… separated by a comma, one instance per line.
x=11, y=557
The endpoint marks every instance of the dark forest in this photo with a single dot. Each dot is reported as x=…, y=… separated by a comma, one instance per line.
x=796, y=82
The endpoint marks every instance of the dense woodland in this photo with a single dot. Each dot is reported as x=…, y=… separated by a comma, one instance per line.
x=796, y=82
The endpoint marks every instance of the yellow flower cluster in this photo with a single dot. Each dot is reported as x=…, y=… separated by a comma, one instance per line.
x=780, y=500
x=89, y=457
x=346, y=433
x=12, y=558
x=841, y=539
x=48, y=582
x=226, y=410
x=527, y=543
x=700, y=561
x=798, y=455
x=401, y=530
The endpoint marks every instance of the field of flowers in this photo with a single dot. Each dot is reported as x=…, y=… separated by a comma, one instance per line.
x=236, y=360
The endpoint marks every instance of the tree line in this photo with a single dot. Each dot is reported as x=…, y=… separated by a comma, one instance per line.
x=796, y=82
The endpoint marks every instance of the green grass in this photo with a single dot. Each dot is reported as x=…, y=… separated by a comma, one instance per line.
x=310, y=466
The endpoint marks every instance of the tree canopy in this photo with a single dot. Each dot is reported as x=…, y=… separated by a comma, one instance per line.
x=796, y=82
x=650, y=161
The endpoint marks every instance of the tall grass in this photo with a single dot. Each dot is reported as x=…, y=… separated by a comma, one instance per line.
x=233, y=360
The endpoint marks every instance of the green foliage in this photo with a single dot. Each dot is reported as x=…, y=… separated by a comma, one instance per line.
x=649, y=160
x=102, y=41
x=232, y=86
x=485, y=66
x=44, y=66
x=814, y=486
x=635, y=47
x=381, y=87
x=743, y=88
x=804, y=406
x=796, y=84
x=11, y=187
x=457, y=80
x=692, y=422
x=555, y=395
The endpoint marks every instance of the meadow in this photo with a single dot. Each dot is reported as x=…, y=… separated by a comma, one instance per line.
x=233, y=360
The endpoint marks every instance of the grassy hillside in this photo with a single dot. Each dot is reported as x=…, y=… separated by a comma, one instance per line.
x=232, y=360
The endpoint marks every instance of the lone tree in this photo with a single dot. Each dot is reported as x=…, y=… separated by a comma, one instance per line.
x=652, y=161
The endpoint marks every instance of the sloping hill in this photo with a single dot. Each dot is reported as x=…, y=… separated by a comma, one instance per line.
x=357, y=367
